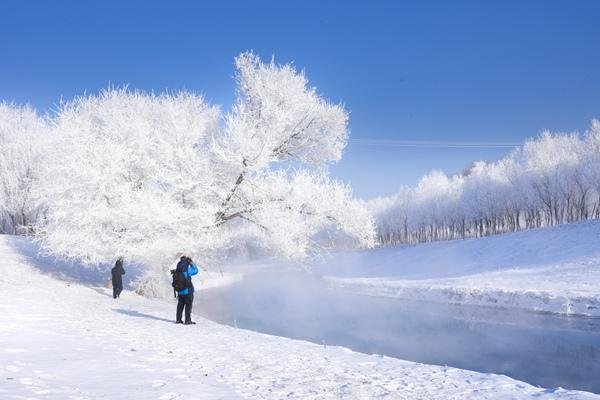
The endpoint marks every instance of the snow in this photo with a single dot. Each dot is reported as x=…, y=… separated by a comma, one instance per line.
x=553, y=270
x=213, y=280
x=65, y=339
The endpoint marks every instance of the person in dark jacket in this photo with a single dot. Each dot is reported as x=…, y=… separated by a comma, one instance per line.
x=185, y=297
x=117, y=277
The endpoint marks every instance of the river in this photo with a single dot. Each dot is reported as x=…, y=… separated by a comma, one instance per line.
x=541, y=349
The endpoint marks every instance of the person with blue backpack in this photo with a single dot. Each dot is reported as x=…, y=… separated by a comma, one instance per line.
x=184, y=289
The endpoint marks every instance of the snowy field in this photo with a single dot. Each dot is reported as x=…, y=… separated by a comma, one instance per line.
x=554, y=270
x=61, y=339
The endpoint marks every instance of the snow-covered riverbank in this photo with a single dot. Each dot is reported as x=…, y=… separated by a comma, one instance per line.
x=553, y=270
x=61, y=340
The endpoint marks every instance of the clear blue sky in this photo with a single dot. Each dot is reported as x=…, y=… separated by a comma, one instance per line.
x=484, y=71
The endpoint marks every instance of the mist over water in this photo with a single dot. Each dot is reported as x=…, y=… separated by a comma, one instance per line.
x=541, y=349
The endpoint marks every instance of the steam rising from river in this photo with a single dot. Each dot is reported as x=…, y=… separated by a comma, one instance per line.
x=298, y=304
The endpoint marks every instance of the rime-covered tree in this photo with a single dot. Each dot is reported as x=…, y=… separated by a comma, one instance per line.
x=22, y=134
x=151, y=176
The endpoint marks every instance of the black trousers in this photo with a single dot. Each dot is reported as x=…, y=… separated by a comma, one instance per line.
x=185, y=302
x=117, y=289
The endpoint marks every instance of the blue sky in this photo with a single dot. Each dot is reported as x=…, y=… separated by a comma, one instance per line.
x=461, y=71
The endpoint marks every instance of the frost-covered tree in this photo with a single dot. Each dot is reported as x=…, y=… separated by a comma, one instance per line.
x=150, y=176
x=22, y=134
x=552, y=179
x=591, y=168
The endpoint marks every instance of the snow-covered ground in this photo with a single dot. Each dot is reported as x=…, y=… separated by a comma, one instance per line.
x=550, y=270
x=61, y=339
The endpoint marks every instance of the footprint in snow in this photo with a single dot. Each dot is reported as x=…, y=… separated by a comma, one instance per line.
x=14, y=351
x=173, y=370
x=26, y=381
x=169, y=396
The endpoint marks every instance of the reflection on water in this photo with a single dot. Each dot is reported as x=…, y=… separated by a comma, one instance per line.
x=541, y=349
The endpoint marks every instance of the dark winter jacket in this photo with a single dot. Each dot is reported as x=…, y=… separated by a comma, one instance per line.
x=189, y=270
x=117, y=273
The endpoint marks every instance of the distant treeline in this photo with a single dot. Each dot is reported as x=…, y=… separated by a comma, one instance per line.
x=550, y=180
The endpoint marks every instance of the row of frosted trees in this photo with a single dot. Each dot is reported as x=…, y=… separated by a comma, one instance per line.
x=102, y=162
x=550, y=180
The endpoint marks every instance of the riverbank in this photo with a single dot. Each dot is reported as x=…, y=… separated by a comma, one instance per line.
x=554, y=270
x=63, y=339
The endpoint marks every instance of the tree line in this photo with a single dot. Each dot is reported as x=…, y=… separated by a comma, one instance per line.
x=141, y=175
x=549, y=180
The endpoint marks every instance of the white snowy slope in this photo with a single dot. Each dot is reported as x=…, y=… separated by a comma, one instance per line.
x=553, y=270
x=65, y=340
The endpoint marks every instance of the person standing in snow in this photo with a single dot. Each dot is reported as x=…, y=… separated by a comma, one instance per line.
x=185, y=297
x=117, y=277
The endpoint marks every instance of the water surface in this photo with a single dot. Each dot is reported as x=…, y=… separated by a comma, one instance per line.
x=541, y=349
